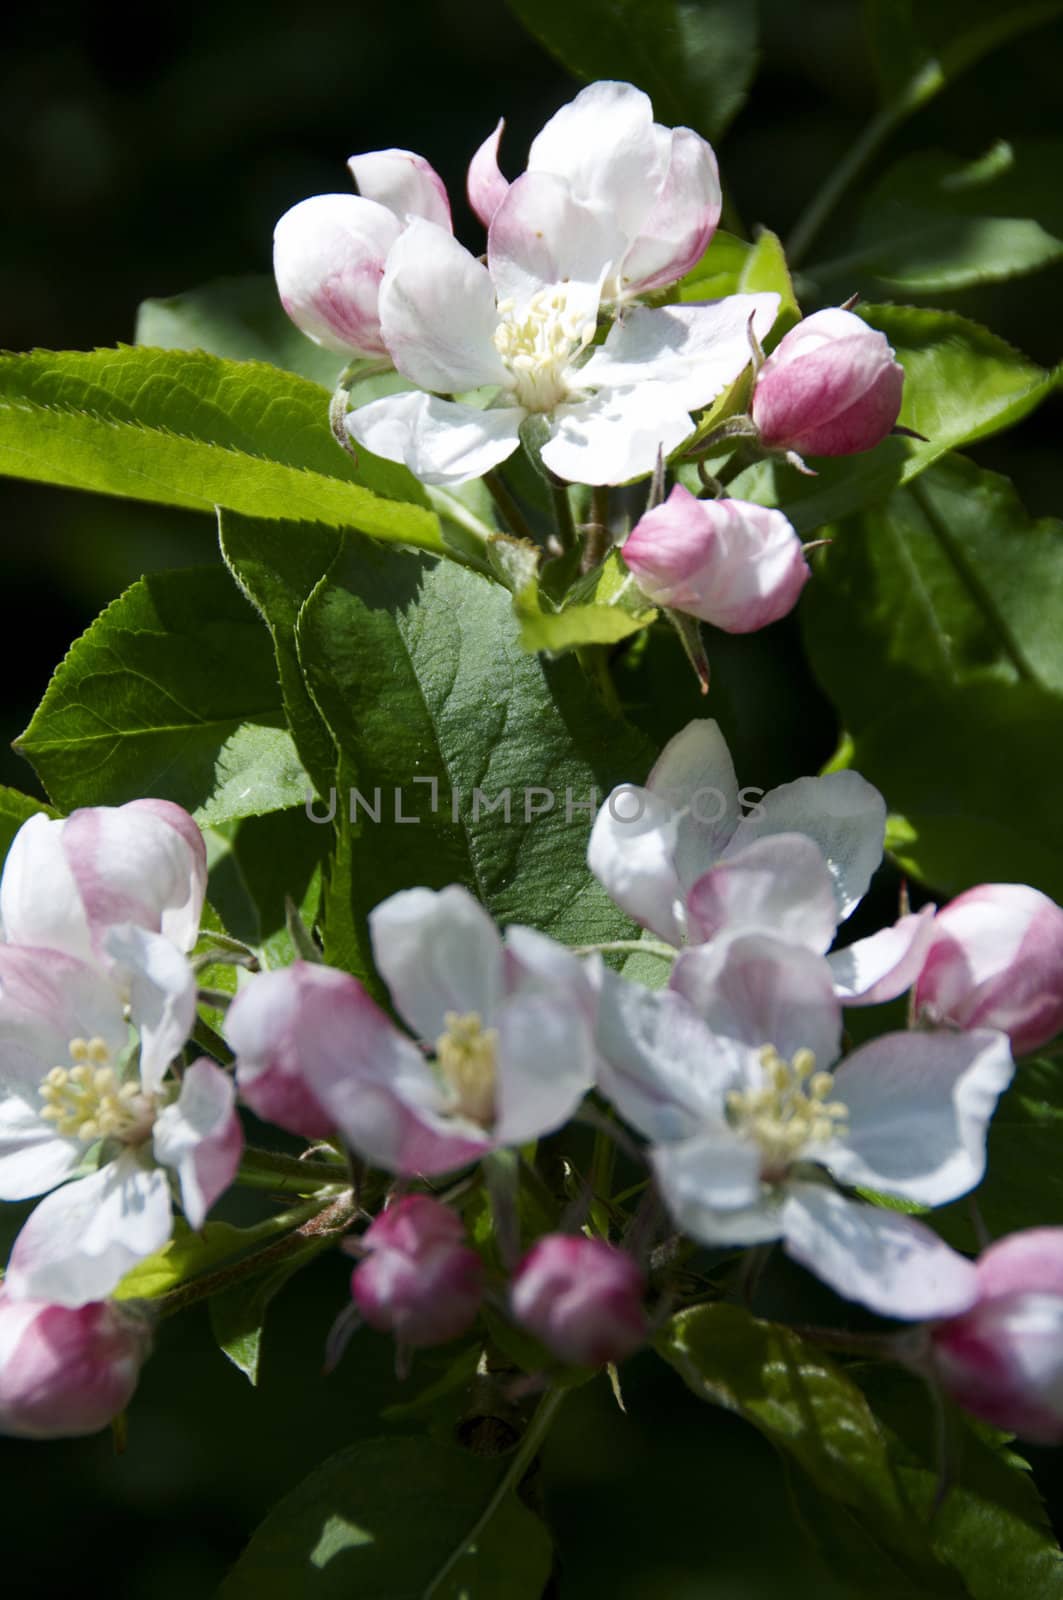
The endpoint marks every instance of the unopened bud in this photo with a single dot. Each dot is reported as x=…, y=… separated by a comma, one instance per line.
x=66, y=1372
x=831, y=388
x=420, y=1280
x=996, y=961
x=582, y=1298
x=328, y=260
x=736, y=565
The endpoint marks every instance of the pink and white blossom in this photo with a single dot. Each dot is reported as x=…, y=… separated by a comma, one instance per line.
x=1003, y=1358
x=507, y=1030
x=832, y=387
x=67, y=1371
x=680, y=857
x=521, y=329
x=329, y=251
x=735, y=1084
x=660, y=185
x=995, y=960
x=269, y=1025
x=736, y=565
x=420, y=1279
x=582, y=1298
x=69, y=882
x=79, y=1087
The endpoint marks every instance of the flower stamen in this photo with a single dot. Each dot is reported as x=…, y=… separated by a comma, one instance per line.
x=539, y=344
x=466, y=1056
x=790, y=1112
x=88, y=1101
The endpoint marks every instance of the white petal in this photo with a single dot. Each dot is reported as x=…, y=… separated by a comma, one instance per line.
x=677, y=231
x=33, y=1159
x=545, y=1066
x=695, y=774
x=47, y=1000
x=441, y=441
x=437, y=951
x=616, y=434
x=605, y=143
x=404, y=182
x=328, y=259
x=888, y=1262
x=162, y=997
x=778, y=885
x=919, y=1105
x=711, y=1186
x=692, y=351
x=662, y=1068
x=200, y=1137
x=39, y=899
x=845, y=816
x=886, y=963
x=485, y=184
x=537, y=964
x=437, y=312
x=541, y=235
x=762, y=991
x=83, y=1238
x=632, y=853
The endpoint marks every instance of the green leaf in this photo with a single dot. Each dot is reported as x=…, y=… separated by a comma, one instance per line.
x=15, y=809
x=188, y=429
x=237, y=1315
x=935, y=224
x=256, y=865
x=185, y=1256
x=695, y=58
x=717, y=273
x=930, y=622
x=380, y=1520
x=962, y=383
x=418, y=671
x=921, y=45
x=606, y=606
x=173, y=693
x=868, y=1499
x=765, y=269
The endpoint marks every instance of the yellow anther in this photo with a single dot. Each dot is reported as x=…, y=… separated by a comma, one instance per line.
x=99, y=1050
x=820, y=1085
x=79, y=1049
x=87, y=1101
x=789, y=1111
x=804, y=1064
x=466, y=1054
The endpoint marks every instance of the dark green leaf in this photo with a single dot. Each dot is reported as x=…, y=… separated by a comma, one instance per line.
x=237, y=1315
x=930, y=623
x=936, y=224
x=15, y=809
x=921, y=45
x=695, y=58
x=188, y=429
x=256, y=865
x=718, y=271
x=603, y=608
x=765, y=269
x=381, y=1519
x=173, y=693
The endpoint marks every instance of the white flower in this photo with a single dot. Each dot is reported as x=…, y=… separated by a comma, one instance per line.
x=660, y=186
x=522, y=327
x=747, y=1114
x=679, y=856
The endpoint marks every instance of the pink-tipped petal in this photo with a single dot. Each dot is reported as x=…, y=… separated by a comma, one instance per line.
x=405, y=183
x=65, y=1372
x=832, y=387
x=582, y=1298
x=777, y=885
x=679, y=228
x=201, y=1138
x=885, y=964
x=329, y=254
x=419, y=1280
x=485, y=185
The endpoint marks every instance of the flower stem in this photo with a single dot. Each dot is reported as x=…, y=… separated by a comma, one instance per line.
x=268, y=1169
x=535, y=1433
x=566, y=527
x=508, y=508
x=640, y=947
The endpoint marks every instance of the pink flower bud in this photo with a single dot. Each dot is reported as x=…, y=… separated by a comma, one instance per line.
x=1003, y=1359
x=832, y=388
x=419, y=1280
x=582, y=1298
x=736, y=565
x=328, y=260
x=274, y=1025
x=996, y=961
x=66, y=1372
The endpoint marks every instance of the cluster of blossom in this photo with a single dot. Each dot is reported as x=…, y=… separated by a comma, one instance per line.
x=562, y=338
x=751, y=1128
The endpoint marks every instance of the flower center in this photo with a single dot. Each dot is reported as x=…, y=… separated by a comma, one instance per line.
x=791, y=1111
x=88, y=1100
x=465, y=1054
x=539, y=345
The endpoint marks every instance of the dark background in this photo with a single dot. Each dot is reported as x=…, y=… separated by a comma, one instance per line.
x=143, y=155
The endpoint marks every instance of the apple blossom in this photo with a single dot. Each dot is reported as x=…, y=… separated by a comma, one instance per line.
x=419, y=1280
x=267, y=1026
x=731, y=1076
x=68, y=882
x=832, y=387
x=582, y=1298
x=995, y=960
x=1003, y=1358
x=521, y=328
x=736, y=565
x=75, y=1083
x=67, y=1371
x=508, y=1024
x=329, y=251
x=661, y=185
